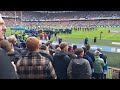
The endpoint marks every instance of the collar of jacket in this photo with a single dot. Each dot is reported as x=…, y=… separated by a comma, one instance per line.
x=78, y=57
x=97, y=56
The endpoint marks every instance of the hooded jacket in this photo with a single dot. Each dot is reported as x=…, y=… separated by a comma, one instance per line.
x=60, y=63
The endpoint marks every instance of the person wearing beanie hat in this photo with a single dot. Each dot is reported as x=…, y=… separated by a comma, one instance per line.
x=61, y=61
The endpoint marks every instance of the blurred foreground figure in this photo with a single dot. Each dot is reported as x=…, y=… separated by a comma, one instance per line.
x=7, y=70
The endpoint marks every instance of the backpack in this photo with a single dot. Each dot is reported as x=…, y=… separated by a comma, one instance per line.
x=76, y=69
x=80, y=70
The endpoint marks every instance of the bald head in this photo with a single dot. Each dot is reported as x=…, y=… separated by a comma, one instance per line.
x=12, y=39
x=32, y=44
x=5, y=45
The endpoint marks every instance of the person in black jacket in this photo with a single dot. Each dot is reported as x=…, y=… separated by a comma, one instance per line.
x=90, y=54
x=7, y=70
x=89, y=59
x=59, y=40
x=61, y=61
x=44, y=52
x=95, y=39
x=70, y=54
x=86, y=41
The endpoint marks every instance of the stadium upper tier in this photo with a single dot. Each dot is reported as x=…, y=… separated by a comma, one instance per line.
x=62, y=15
x=11, y=22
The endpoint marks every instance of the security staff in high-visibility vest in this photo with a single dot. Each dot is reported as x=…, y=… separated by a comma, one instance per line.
x=19, y=35
x=25, y=37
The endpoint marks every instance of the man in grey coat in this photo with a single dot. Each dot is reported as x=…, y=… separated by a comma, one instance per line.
x=79, y=68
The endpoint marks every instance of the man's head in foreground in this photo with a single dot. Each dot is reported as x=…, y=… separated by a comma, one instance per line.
x=2, y=28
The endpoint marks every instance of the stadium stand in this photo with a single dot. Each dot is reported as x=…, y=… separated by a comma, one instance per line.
x=35, y=19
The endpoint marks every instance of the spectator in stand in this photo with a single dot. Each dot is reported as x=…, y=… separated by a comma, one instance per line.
x=49, y=45
x=16, y=36
x=98, y=66
x=70, y=54
x=79, y=68
x=89, y=59
x=12, y=39
x=9, y=49
x=34, y=65
x=91, y=55
x=104, y=57
x=61, y=61
x=7, y=70
x=45, y=52
x=57, y=49
x=44, y=49
x=52, y=52
x=74, y=49
x=23, y=44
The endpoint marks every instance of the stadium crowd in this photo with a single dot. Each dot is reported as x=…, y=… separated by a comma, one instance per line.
x=62, y=15
x=90, y=23
x=39, y=60
x=12, y=21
